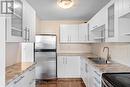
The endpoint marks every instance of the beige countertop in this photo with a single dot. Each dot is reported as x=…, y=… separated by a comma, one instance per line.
x=108, y=68
x=13, y=71
x=76, y=54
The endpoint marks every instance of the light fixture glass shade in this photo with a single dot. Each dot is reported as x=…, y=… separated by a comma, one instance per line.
x=65, y=3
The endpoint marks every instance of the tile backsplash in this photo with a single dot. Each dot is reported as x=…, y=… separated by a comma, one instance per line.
x=120, y=52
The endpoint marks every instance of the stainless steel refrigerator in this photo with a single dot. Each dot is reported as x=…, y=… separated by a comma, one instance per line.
x=45, y=57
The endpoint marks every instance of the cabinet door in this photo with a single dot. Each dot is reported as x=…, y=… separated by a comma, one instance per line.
x=64, y=34
x=121, y=8
x=126, y=6
x=83, y=33
x=32, y=24
x=61, y=66
x=10, y=85
x=14, y=23
x=112, y=22
x=29, y=24
x=26, y=16
x=73, y=67
x=69, y=33
x=73, y=33
x=31, y=76
x=20, y=82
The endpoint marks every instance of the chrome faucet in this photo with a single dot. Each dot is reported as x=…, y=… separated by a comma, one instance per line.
x=108, y=54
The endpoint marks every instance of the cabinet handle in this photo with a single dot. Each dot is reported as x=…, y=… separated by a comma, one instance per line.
x=66, y=60
x=32, y=69
x=68, y=38
x=25, y=34
x=63, y=60
x=85, y=37
x=97, y=80
x=28, y=34
x=19, y=79
x=97, y=73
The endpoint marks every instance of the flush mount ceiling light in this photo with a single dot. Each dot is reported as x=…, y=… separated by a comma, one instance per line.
x=65, y=3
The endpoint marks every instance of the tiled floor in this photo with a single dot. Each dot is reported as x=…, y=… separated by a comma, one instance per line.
x=61, y=83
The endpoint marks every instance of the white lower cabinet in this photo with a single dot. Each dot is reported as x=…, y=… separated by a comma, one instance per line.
x=90, y=75
x=84, y=72
x=27, y=79
x=68, y=66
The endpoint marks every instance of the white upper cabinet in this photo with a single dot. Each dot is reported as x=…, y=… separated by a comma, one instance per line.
x=14, y=23
x=69, y=33
x=29, y=25
x=98, y=20
x=64, y=34
x=124, y=8
x=83, y=33
x=97, y=26
x=74, y=33
x=20, y=26
x=117, y=29
x=111, y=33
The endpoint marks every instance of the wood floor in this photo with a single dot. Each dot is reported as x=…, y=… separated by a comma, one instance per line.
x=61, y=83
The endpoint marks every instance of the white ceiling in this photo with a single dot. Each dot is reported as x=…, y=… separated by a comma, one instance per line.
x=82, y=9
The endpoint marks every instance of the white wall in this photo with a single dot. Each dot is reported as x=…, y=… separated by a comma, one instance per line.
x=53, y=27
x=120, y=52
x=13, y=53
x=2, y=51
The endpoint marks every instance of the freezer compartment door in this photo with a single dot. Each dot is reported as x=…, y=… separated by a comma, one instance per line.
x=46, y=65
x=45, y=42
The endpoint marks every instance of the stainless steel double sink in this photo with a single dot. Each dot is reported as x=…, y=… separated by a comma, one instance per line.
x=98, y=60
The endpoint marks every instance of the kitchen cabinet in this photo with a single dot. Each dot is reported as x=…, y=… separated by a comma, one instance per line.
x=74, y=33
x=97, y=35
x=69, y=33
x=96, y=22
x=121, y=7
x=68, y=66
x=27, y=79
x=97, y=27
x=10, y=85
x=29, y=25
x=20, y=26
x=114, y=26
x=30, y=77
x=19, y=82
x=94, y=77
x=124, y=8
x=84, y=71
x=112, y=22
x=83, y=33
x=14, y=31
x=89, y=74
